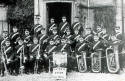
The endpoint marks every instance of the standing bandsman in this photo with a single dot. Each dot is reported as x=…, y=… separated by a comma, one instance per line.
x=51, y=26
x=63, y=25
x=52, y=47
x=14, y=36
x=43, y=39
x=37, y=29
x=77, y=25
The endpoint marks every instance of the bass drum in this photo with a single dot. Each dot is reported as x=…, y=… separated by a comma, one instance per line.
x=112, y=59
x=60, y=65
x=81, y=61
x=96, y=61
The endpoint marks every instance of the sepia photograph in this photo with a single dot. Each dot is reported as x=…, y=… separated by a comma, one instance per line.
x=62, y=40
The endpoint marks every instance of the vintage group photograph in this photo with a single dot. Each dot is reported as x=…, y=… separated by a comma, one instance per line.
x=62, y=40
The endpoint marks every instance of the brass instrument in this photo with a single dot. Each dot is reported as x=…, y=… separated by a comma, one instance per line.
x=21, y=60
x=81, y=62
x=112, y=59
x=4, y=58
x=37, y=60
x=96, y=61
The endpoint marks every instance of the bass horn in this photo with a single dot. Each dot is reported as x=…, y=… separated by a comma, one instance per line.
x=96, y=61
x=81, y=62
x=112, y=59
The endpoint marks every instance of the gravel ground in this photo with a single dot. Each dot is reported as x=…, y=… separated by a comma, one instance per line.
x=74, y=76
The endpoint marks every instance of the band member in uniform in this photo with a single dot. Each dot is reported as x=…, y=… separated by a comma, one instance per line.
x=77, y=25
x=52, y=47
x=63, y=25
x=37, y=29
x=14, y=36
x=88, y=40
x=4, y=38
x=99, y=45
x=105, y=40
x=8, y=57
x=43, y=39
x=8, y=51
x=20, y=57
x=55, y=36
x=65, y=46
x=118, y=37
x=51, y=26
x=27, y=43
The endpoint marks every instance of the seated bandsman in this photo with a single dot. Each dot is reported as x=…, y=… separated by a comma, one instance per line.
x=8, y=57
x=51, y=48
x=55, y=36
x=14, y=36
x=99, y=46
x=66, y=47
x=51, y=26
x=35, y=56
x=4, y=38
x=20, y=56
x=69, y=37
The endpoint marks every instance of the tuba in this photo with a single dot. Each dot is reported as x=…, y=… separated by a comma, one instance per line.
x=96, y=61
x=81, y=62
x=112, y=59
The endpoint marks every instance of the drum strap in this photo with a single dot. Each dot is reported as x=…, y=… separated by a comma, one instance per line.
x=76, y=36
x=55, y=36
x=4, y=40
x=87, y=36
x=63, y=26
x=52, y=49
x=20, y=49
x=69, y=36
x=42, y=37
x=104, y=36
x=81, y=46
x=96, y=45
x=63, y=47
x=28, y=37
x=7, y=49
x=51, y=26
x=75, y=25
x=14, y=35
x=36, y=27
x=35, y=48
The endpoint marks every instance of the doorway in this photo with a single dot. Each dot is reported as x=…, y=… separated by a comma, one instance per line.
x=57, y=10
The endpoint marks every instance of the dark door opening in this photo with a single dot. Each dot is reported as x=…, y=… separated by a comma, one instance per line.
x=57, y=10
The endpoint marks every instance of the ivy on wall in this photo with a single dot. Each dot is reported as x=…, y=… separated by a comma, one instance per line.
x=105, y=17
x=20, y=13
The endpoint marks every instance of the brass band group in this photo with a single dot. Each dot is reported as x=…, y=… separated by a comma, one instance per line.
x=87, y=50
